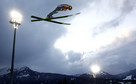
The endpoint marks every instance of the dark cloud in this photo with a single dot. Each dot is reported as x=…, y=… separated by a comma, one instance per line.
x=72, y=56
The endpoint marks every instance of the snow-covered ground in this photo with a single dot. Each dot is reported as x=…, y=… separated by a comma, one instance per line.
x=128, y=77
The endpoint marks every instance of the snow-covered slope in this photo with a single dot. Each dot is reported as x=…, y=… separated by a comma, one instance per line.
x=129, y=75
x=4, y=71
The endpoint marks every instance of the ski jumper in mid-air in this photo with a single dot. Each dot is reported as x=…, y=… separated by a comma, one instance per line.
x=62, y=7
x=49, y=18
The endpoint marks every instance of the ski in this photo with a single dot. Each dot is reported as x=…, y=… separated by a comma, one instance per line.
x=55, y=17
x=51, y=21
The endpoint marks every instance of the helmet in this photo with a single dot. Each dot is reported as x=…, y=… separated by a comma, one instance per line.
x=70, y=7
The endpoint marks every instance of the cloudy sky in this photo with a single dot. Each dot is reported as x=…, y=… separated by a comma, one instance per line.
x=103, y=34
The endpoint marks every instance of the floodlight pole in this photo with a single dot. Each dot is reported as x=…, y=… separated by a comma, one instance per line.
x=15, y=25
x=13, y=56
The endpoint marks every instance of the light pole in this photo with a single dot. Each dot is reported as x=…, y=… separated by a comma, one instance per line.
x=16, y=19
x=95, y=69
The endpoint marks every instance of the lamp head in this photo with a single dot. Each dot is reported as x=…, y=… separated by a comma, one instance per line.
x=95, y=69
x=16, y=18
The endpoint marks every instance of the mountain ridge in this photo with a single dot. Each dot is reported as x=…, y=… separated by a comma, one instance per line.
x=25, y=75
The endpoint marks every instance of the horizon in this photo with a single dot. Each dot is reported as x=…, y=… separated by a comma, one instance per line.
x=90, y=73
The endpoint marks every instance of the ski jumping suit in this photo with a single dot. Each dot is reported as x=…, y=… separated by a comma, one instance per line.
x=62, y=7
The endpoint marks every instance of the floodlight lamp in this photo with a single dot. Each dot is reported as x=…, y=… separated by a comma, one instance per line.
x=95, y=69
x=16, y=18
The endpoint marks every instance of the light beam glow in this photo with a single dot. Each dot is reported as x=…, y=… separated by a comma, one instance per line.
x=16, y=16
x=95, y=69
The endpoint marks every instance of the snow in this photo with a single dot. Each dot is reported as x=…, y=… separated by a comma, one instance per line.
x=23, y=68
x=128, y=77
x=4, y=71
x=121, y=82
x=103, y=73
x=24, y=75
x=73, y=79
